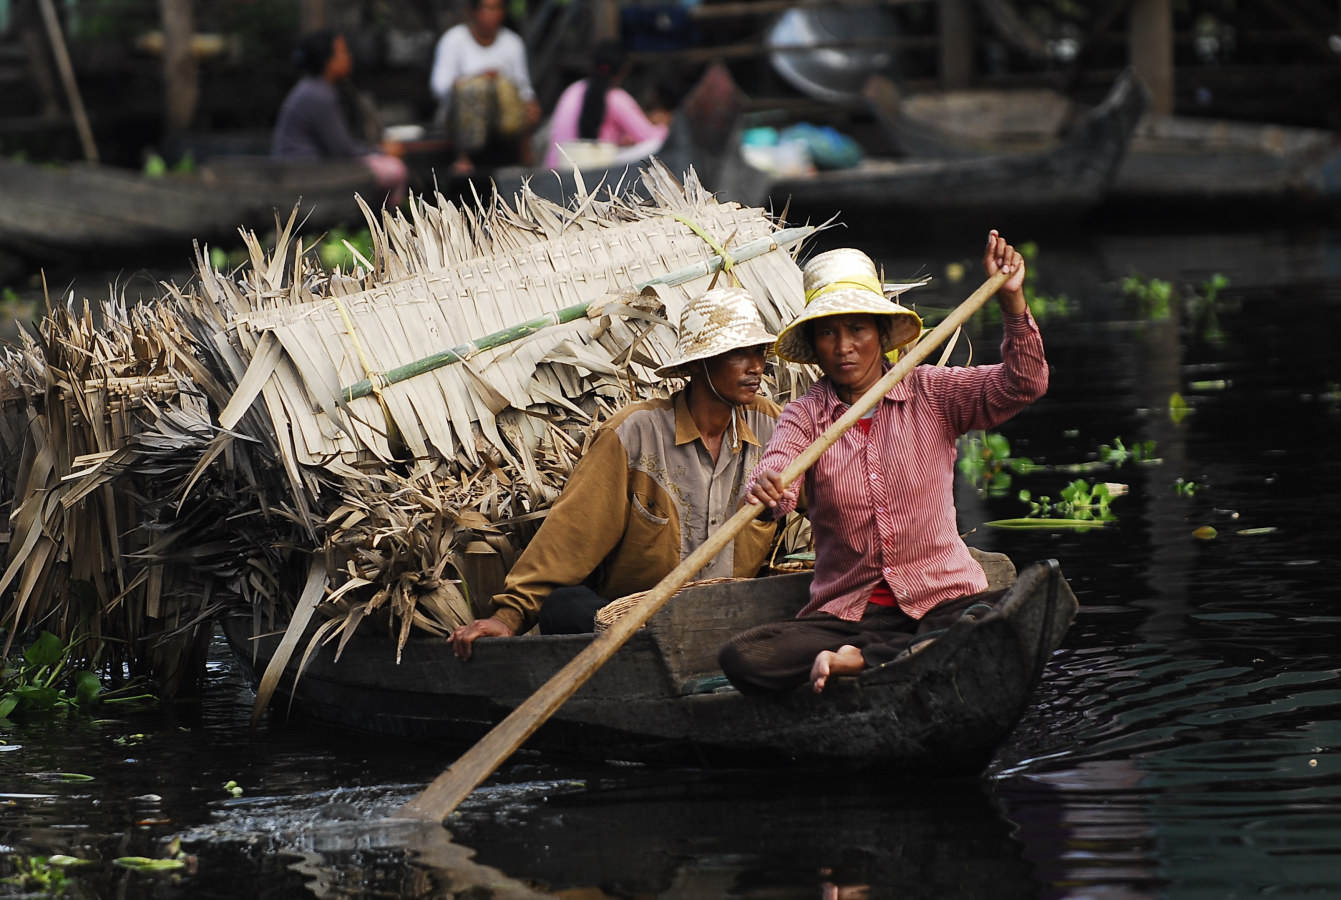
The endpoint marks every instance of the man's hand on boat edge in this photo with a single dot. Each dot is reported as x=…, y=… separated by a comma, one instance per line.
x=463, y=637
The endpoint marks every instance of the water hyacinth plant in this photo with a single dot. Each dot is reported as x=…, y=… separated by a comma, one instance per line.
x=1082, y=505
x=44, y=678
x=1157, y=300
x=44, y=875
x=985, y=460
x=1080, y=500
x=41, y=679
x=1118, y=453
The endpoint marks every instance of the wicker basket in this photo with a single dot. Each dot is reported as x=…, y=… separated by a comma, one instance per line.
x=795, y=534
x=787, y=566
x=614, y=610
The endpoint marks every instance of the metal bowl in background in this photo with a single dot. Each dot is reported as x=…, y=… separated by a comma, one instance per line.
x=831, y=74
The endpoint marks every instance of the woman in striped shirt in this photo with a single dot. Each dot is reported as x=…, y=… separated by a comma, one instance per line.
x=889, y=562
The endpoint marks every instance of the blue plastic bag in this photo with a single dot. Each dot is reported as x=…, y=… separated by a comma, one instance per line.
x=829, y=148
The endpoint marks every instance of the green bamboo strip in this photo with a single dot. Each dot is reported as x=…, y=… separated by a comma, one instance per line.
x=783, y=238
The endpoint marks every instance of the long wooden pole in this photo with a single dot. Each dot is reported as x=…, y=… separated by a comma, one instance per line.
x=437, y=801
x=62, y=57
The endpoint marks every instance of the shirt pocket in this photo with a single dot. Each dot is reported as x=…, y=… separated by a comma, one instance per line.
x=752, y=546
x=649, y=549
x=645, y=509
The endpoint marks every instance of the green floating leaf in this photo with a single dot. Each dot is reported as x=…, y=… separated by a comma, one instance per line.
x=1178, y=408
x=1267, y=530
x=47, y=650
x=60, y=859
x=1205, y=533
x=37, y=696
x=145, y=864
x=87, y=687
x=1047, y=524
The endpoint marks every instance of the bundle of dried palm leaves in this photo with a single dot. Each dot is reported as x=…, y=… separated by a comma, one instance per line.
x=337, y=448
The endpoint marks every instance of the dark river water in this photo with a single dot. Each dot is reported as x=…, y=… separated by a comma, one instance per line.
x=1184, y=743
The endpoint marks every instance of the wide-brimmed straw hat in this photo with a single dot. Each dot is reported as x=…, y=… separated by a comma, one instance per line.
x=844, y=281
x=713, y=323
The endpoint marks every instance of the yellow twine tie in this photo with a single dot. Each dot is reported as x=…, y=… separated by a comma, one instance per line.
x=376, y=379
x=727, y=259
x=870, y=284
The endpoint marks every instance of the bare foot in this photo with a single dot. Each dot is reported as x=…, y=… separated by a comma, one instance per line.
x=846, y=660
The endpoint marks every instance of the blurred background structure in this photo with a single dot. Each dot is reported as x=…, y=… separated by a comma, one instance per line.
x=152, y=74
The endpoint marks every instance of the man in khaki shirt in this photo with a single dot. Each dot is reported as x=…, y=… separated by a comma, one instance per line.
x=659, y=477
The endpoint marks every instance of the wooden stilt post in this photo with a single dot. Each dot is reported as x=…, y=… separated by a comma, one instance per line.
x=956, y=44
x=604, y=20
x=181, y=73
x=62, y=57
x=313, y=15
x=1150, y=43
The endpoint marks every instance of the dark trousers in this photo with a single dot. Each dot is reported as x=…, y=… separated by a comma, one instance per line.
x=778, y=656
x=570, y=610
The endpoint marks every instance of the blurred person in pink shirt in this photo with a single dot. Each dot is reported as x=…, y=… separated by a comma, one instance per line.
x=598, y=109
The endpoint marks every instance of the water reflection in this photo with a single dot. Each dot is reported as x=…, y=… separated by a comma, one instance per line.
x=760, y=834
x=1184, y=745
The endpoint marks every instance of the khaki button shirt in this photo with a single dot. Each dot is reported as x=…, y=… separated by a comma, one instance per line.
x=645, y=495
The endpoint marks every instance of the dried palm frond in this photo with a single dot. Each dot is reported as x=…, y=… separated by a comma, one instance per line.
x=242, y=436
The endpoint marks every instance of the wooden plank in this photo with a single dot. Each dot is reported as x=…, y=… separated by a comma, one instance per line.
x=770, y=7
x=1150, y=46
x=755, y=49
x=956, y=47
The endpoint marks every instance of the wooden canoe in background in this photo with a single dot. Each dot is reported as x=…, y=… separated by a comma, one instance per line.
x=1171, y=160
x=944, y=708
x=1065, y=178
x=85, y=210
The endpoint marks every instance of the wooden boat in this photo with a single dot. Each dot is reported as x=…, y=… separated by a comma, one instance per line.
x=945, y=707
x=1176, y=160
x=84, y=210
x=1064, y=179
x=1067, y=178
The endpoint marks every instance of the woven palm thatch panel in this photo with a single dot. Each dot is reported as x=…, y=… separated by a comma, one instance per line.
x=165, y=458
x=330, y=344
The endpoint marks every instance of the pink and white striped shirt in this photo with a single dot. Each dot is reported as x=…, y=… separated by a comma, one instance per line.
x=882, y=506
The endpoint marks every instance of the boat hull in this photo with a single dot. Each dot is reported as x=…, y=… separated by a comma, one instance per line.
x=1065, y=179
x=944, y=708
x=1172, y=161
x=87, y=211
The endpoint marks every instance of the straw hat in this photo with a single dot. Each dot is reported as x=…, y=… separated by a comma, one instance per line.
x=713, y=323
x=846, y=281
